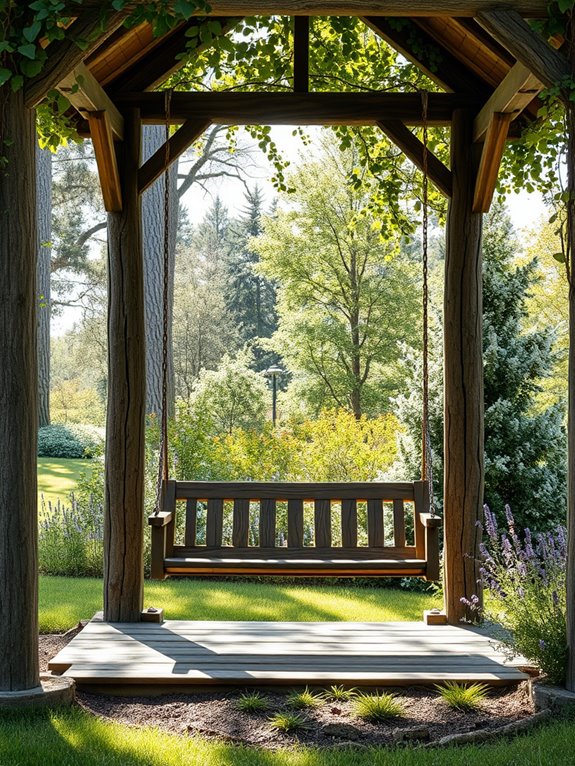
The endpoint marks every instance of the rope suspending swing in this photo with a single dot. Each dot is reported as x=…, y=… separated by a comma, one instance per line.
x=426, y=455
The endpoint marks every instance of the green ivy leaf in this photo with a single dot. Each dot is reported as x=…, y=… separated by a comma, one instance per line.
x=16, y=82
x=31, y=68
x=28, y=50
x=32, y=32
x=184, y=8
x=5, y=75
x=118, y=5
x=559, y=257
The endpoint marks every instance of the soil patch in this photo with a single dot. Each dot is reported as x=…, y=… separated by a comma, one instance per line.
x=215, y=714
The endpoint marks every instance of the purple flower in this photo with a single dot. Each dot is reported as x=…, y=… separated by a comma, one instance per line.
x=490, y=523
x=542, y=644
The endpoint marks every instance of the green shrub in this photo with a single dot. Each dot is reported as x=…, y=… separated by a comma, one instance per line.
x=70, y=539
x=462, y=697
x=377, y=707
x=69, y=441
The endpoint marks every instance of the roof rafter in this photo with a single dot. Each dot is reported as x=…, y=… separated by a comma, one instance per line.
x=231, y=108
x=64, y=55
x=87, y=95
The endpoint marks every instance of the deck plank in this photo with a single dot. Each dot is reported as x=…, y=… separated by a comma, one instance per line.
x=181, y=652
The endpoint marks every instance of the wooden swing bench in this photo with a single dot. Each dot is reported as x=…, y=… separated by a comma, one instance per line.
x=388, y=506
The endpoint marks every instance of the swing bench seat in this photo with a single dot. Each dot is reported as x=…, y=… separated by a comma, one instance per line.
x=231, y=528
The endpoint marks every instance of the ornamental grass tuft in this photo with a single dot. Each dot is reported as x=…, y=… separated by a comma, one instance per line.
x=305, y=699
x=253, y=702
x=462, y=696
x=288, y=722
x=377, y=707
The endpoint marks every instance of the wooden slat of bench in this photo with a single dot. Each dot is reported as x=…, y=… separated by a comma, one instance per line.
x=294, y=491
x=214, y=522
x=322, y=523
x=306, y=551
x=375, y=529
x=349, y=523
x=295, y=523
x=398, y=523
x=191, y=521
x=267, y=523
x=241, y=525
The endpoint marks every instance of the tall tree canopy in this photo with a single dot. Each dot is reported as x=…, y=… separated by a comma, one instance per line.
x=344, y=298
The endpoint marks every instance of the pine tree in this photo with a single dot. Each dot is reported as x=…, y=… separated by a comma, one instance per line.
x=524, y=447
x=251, y=297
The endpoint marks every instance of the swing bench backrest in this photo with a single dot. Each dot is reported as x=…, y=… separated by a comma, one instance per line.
x=295, y=529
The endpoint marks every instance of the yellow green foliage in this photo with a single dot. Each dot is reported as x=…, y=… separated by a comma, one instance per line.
x=70, y=402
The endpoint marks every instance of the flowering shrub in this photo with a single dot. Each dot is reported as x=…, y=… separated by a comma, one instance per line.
x=525, y=579
x=70, y=539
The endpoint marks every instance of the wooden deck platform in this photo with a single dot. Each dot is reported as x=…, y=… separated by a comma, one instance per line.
x=180, y=653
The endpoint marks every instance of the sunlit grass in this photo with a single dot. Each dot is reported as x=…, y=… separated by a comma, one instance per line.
x=305, y=699
x=462, y=696
x=78, y=739
x=65, y=601
x=377, y=707
x=57, y=477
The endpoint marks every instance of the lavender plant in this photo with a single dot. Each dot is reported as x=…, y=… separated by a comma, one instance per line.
x=525, y=579
x=70, y=538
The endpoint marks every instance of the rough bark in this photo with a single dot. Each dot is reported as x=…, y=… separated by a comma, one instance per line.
x=463, y=373
x=18, y=398
x=570, y=575
x=44, y=215
x=125, y=430
x=153, y=223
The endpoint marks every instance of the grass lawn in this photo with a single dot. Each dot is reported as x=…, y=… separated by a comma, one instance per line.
x=75, y=738
x=64, y=601
x=57, y=477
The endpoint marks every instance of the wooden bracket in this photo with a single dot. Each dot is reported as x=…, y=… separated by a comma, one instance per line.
x=513, y=95
x=159, y=162
x=491, y=155
x=103, y=141
x=301, y=54
x=64, y=55
x=413, y=148
x=529, y=48
x=87, y=95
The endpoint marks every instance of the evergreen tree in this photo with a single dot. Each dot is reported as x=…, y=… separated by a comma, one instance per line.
x=251, y=297
x=524, y=448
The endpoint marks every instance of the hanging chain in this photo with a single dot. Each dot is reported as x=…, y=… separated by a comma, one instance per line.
x=426, y=457
x=163, y=468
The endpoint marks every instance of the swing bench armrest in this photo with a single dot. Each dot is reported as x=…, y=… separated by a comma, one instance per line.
x=162, y=541
x=431, y=526
x=160, y=519
x=429, y=521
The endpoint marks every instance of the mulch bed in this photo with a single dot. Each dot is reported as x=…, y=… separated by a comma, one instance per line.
x=215, y=715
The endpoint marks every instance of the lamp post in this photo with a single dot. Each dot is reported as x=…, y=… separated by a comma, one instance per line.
x=273, y=372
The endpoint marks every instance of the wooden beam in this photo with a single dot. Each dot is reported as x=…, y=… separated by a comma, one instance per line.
x=528, y=8
x=301, y=54
x=125, y=425
x=297, y=108
x=421, y=49
x=514, y=94
x=528, y=47
x=103, y=141
x=160, y=161
x=65, y=55
x=414, y=149
x=164, y=59
x=463, y=378
x=491, y=155
x=87, y=95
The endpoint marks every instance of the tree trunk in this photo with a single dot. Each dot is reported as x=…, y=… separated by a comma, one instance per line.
x=44, y=214
x=463, y=373
x=570, y=574
x=153, y=224
x=125, y=429
x=18, y=397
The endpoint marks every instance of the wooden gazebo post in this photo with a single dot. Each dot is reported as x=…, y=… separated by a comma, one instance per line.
x=463, y=375
x=125, y=427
